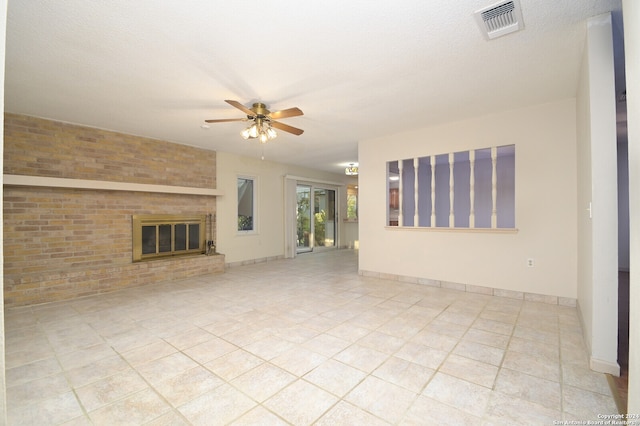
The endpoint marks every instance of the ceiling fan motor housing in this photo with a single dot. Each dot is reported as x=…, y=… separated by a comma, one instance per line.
x=260, y=109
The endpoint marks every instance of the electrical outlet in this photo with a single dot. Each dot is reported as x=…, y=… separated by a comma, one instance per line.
x=530, y=262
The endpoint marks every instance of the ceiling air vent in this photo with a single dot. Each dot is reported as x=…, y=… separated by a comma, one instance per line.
x=499, y=19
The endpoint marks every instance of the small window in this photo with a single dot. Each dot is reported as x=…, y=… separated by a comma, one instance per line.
x=246, y=204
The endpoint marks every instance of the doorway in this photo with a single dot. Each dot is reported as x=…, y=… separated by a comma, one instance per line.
x=315, y=218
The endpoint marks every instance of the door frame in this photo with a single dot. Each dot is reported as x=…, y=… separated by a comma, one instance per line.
x=311, y=236
x=291, y=183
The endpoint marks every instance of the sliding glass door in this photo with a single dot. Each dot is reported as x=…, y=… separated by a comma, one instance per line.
x=316, y=218
x=303, y=218
x=324, y=218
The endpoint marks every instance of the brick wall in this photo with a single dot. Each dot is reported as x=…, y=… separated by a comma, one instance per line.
x=63, y=243
x=39, y=147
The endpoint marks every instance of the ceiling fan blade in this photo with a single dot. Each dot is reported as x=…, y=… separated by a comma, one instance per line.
x=224, y=120
x=241, y=107
x=287, y=128
x=291, y=112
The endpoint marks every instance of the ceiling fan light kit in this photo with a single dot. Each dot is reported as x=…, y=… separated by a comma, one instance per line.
x=259, y=130
x=263, y=121
x=352, y=170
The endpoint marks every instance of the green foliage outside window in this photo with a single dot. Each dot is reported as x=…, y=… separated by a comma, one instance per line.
x=245, y=223
x=319, y=224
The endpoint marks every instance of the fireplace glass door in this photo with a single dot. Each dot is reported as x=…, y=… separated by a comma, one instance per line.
x=167, y=235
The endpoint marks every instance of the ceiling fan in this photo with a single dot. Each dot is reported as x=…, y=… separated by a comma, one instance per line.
x=263, y=121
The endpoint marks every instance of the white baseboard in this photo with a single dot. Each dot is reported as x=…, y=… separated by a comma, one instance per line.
x=606, y=367
x=471, y=288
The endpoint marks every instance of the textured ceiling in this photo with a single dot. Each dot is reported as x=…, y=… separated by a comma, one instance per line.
x=358, y=69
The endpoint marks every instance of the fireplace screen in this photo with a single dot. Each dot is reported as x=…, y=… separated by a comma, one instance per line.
x=167, y=235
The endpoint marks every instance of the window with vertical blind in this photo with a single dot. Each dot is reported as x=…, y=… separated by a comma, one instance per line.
x=472, y=189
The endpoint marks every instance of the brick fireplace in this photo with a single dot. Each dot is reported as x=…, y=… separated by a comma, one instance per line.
x=70, y=196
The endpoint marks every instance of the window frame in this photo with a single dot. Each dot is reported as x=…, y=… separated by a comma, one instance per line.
x=254, y=205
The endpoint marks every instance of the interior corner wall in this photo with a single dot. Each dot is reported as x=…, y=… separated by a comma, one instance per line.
x=585, y=244
x=545, y=204
x=597, y=213
x=268, y=241
x=631, y=16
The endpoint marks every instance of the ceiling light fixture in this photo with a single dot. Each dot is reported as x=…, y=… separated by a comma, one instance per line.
x=352, y=170
x=263, y=121
x=260, y=129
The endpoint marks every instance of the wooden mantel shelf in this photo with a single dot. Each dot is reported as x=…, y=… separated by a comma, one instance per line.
x=53, y=182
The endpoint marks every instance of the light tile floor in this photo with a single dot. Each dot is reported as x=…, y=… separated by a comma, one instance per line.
x=304, y=341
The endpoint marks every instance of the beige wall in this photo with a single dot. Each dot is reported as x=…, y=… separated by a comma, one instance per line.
x=268, y=241
x=61, y=243
x=545, y=139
